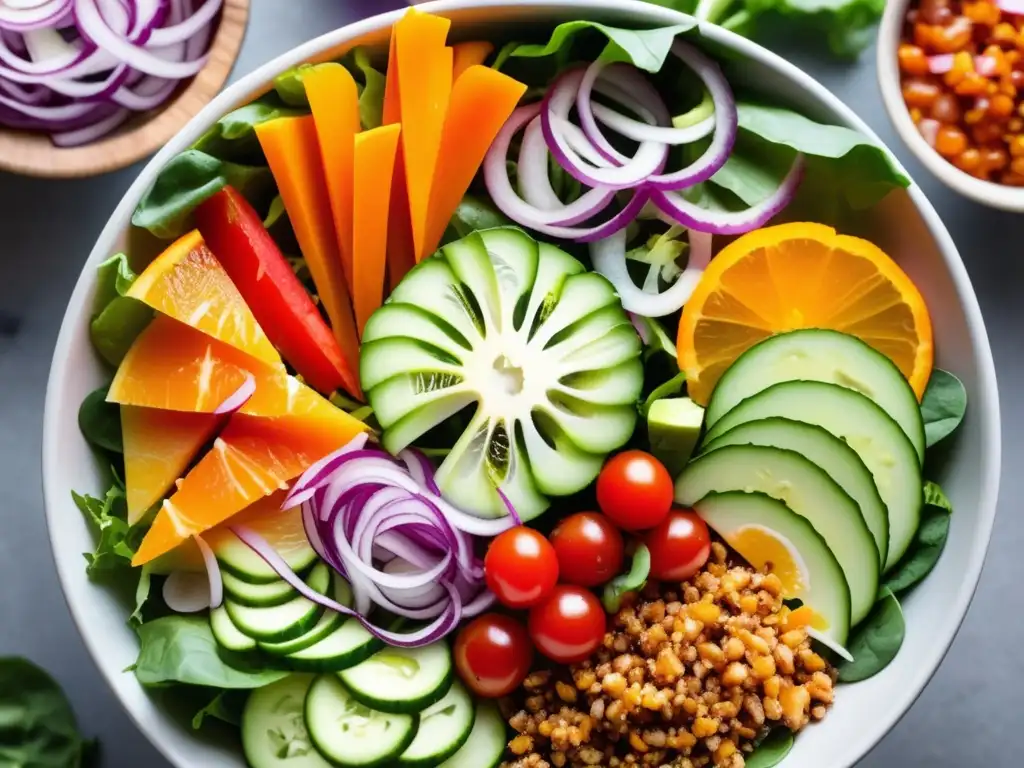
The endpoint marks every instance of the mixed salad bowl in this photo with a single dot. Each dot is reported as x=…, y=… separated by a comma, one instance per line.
x=521, y=384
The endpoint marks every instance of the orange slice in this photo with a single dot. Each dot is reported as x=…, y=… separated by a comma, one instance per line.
x=176, y=368
x=158, y=447
x=187, y=282
x=252, y=458
x=801, y=275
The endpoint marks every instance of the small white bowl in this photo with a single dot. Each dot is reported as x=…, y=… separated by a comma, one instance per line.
x=905, y=225
x=985, y=192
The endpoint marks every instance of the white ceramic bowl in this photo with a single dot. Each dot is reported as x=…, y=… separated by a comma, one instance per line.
x=905, y=225
x=985, y=192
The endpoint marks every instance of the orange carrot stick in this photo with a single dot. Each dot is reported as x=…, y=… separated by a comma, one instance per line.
x=470, y=54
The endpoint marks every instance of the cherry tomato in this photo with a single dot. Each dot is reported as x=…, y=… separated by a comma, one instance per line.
x=589, y=549
x=635, y=490
x=679, y=547
x=569, y=625
x=493, y=653
x=521, y=567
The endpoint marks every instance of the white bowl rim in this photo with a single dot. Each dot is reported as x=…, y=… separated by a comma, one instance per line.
x=888, y=712
x=985, y=192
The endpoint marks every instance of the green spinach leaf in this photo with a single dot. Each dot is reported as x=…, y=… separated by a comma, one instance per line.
x=117, y=318
x=928, y=543
x=632, y=580
x=644, y=48
x=876, y=640
x=943, y=406
x=290, y=88
x=371, y=97
x=100, y=421
x=181, y=649
x=233, y=137
x=37, y=726
x=117, y=541
x=226, y=706
x=772, y=749
x=141, y=594
x=189, y=179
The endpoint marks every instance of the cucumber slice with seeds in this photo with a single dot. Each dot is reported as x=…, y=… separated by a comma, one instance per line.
x=549, y=358
x=402, y=679
x=350, y=734
x=274, y=733
x=280, y=623
x=486, y=744
x=226, y=634
x=444, y=728
x=346, y=646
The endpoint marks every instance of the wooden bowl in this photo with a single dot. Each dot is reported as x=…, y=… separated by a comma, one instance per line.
x=33, y=154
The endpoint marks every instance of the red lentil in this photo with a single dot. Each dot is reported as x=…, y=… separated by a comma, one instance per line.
x=978, y=101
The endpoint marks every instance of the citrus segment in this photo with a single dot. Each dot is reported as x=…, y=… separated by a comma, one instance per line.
x=176, y=368
x=252, y=458
x=158, y=447
x=187, y=282
x=801, y=275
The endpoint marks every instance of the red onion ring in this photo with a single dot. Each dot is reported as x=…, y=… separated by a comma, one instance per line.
x=41, y=15
x=212, y=572
x=240, y=397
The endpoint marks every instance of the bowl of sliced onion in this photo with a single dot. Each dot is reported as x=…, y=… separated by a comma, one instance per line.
x=91, y=86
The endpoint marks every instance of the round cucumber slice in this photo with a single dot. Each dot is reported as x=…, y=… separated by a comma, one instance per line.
x=805, y=488
x=865, y=427
x=401, y=679
x=821, y=355
x=444, y=728
x=274, y=731
x=540, y=347
x=486, y=744
x=764, y=530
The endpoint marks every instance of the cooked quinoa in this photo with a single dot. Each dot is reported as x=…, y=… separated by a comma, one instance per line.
x=685, y=678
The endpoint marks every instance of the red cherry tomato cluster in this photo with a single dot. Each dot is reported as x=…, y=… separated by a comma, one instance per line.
x=551, y=577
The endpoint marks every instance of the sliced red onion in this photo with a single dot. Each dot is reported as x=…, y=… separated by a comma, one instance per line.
x=240, y=397
x=728, y=222
x=609, y=258
x=438, y=628
x=420, y=468
x=726, y=122
x=148, y=94
x=559, y=100
x=213, y=574
x=189, y=28
x=90, y=133
x=508, y=505
x=638, y=325
x=186, y=592
x=28, y=16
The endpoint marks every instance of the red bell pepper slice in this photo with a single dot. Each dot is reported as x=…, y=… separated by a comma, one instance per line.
x=235, y=233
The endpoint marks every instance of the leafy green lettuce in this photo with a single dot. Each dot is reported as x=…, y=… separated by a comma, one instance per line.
x=37, y=726
x=117, y=319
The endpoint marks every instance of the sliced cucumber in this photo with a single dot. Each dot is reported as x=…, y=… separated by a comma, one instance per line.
x=350, y=734
x=402, y=679
x=347, y=645
x=274, y=731
x=821, y=355
x=280, y=623
x=257, y=595
x=763, y=531
x=542, y=336
x=486, y=744
x=284, y=532
x=838, y=459
x=807, y=490
x=226, y=634
x=870, y=431
x=444, y=728
x=329, y=622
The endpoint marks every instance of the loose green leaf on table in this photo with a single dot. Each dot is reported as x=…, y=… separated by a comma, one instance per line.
x=631, y=581
x=644, y=48
x=876, y=640
x=182, y=649
x=226, y=706
x=117, y=319
x=927, y=544
x=371, y=94
x=100, y=421
x=37, y=726
x=943, y=406
x=772, y=749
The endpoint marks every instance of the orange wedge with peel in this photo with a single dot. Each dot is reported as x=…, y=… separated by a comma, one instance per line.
x=252, y=458
x=187, y=283
x=801, y=275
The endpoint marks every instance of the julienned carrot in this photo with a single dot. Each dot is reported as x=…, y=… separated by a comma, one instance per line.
x=293, y=154
x=482, y=100
x=401, y=257
x=470, y=54
x=334, y=100
x=425, y=84
x=373, y=167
